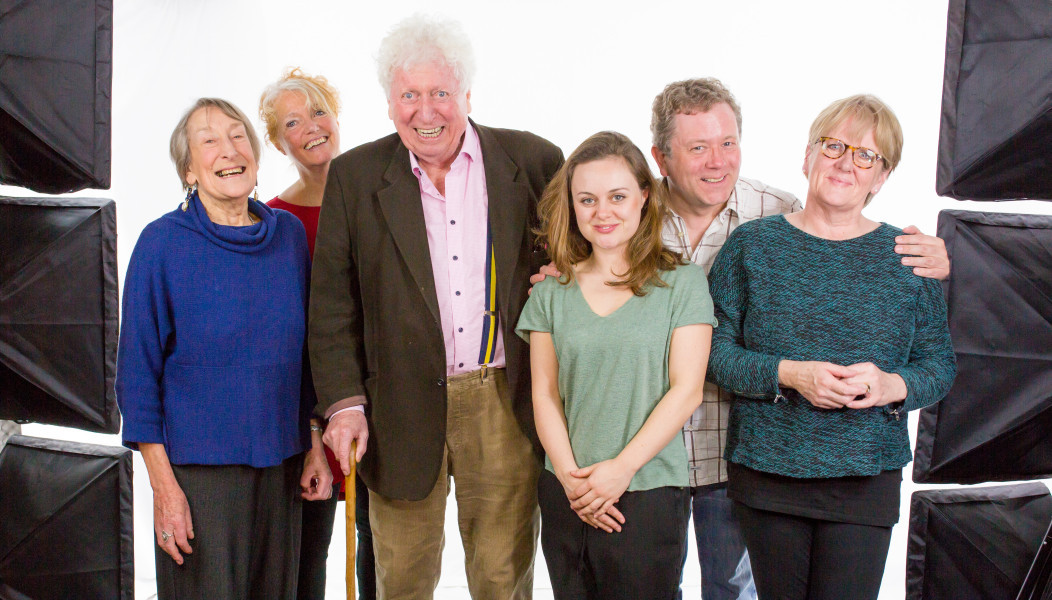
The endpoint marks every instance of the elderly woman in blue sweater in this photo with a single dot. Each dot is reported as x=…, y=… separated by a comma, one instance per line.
x=210, y=371
x=827, y=341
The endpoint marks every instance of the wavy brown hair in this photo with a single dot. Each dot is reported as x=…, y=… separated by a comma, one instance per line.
x=562, y=235
x=688, y=97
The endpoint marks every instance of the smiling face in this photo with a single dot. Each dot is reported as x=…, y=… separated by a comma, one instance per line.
x=704, y=157
x=838, y=182
x=607, y=202
x=307, y=134
x=430, y=112
x=222, y=163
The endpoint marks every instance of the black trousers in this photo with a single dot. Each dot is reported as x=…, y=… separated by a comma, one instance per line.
x=318, y=520
x=799, y=558
x=247, y=533
x=643, y=560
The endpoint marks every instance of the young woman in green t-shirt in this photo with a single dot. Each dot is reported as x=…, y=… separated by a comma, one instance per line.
x=619, y=345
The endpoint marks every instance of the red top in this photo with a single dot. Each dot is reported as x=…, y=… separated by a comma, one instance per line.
x=308, y=215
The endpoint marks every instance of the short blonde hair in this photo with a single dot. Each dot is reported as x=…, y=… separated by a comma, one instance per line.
x=867, y=112
x=318, y=91
x=179, y=144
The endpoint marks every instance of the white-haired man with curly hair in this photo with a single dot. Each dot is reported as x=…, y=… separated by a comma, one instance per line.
x=421, y=269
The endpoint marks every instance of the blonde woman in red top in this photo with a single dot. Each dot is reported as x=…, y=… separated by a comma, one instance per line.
x=300, y=113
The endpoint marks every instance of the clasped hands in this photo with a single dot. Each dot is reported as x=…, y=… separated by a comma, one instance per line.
x=593, y=491
x=832, y=386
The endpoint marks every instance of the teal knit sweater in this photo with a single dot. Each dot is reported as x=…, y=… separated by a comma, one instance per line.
x=781, y=293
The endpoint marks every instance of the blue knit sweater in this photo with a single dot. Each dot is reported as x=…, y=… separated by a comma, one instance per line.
x=781, y=293
x=210, y=358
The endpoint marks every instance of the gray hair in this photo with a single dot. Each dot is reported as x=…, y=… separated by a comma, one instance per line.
x=179, y=145
x=690, y=96
x=421, y=39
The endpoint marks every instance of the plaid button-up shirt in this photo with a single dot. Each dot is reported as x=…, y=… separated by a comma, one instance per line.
x=705, y=434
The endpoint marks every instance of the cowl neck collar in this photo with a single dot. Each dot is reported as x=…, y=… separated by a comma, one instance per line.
x=246, y=239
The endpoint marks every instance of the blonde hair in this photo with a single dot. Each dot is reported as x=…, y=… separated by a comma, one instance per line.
x=560, y=232
x=866, y=112
x=318, y=91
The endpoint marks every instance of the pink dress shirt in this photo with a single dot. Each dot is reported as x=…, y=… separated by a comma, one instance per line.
x=456, y=236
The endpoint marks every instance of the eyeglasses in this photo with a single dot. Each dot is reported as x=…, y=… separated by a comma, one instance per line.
x=864, y=158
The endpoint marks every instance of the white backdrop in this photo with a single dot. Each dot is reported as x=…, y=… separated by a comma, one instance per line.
x=563, y=70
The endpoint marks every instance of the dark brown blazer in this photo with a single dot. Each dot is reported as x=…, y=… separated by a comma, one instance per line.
x=375, y=328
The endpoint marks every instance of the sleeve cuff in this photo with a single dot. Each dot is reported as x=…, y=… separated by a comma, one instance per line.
x=352, y=403
x=909, y=403
x=145, y=433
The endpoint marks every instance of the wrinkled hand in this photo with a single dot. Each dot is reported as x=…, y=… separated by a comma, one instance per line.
x=824, y=384
x=881, y=388
x=316, y=481
x=547, y=270
x=604, y=483
x=926, y=253
x=610, y=521
x=345, y=427
x=171, y=515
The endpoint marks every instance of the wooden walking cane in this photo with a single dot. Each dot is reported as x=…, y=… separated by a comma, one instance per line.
x=348, y=495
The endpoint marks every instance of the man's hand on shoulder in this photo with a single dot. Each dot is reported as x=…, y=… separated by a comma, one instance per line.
x=925, y=253
x=547, y=270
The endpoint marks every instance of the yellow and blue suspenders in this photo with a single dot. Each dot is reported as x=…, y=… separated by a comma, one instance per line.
x=488, y=347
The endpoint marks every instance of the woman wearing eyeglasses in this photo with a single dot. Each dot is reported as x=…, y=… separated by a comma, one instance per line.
x=828, y=341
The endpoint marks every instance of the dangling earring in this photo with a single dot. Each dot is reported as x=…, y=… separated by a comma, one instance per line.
x=255, y=193
x=190, y=191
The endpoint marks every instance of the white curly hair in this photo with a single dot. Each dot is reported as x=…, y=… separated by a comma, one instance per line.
x=421, y=39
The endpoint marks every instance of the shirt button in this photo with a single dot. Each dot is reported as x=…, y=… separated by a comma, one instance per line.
x=454, y=257
x=461, y=365
x=460, y=330
x=452, y=222
x=457, y=293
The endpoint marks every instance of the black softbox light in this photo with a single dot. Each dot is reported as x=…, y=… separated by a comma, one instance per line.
x=997, y=101
x=67, y=520
x=1038, y=582
x=976, y=542
x=58, y=312
x=994, y=424
x=56, y=64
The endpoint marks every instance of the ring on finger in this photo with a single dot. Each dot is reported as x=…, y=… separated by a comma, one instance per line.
x=165, y=535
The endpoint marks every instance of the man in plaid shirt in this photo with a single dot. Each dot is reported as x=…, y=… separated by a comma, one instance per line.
x=696, y=127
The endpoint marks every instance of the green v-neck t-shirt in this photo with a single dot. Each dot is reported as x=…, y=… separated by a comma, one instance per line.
x=613, y=370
